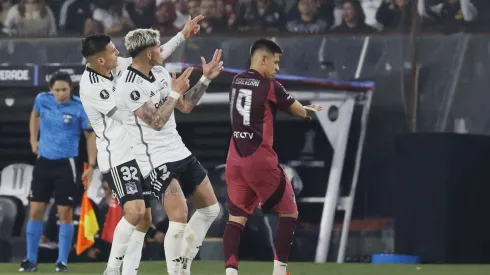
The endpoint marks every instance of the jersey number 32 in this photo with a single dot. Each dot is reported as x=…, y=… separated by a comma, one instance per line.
x=243, y=104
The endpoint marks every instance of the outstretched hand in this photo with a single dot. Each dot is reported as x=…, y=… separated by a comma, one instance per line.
x=192, y=27
x=181, y=84
x=313, y=108
x=212, y=69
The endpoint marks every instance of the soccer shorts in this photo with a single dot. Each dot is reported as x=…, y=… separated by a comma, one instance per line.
x=59, y=176
x=188, y=172
x=248, y=188
x=126, y=183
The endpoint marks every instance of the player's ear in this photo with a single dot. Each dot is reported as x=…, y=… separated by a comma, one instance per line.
x=101, y=60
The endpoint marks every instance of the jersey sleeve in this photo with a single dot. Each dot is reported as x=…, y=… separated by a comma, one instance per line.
x=86, y=126
x=101, y=99
x=38, y=102
x=280, y=96
x=132, y=96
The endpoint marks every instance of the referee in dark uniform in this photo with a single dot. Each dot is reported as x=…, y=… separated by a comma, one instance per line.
x=61, y=118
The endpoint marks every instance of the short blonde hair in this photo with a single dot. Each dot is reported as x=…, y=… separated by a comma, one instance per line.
x=140, y=39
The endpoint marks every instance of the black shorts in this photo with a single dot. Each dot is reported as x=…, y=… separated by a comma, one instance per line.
x=60, y=176
x=189, y=172
x=126, y=183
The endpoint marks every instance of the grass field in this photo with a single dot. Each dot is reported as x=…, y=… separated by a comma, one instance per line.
x=264, y=268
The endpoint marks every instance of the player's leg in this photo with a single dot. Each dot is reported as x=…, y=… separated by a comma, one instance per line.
x=199, y=192
x=125, y=182
x=242, y=201
x=67, y=190
x=175, y=206
x=282, y=202
x=134, y=251
x=41, y=189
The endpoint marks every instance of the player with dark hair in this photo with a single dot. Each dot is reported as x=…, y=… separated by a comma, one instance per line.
x=148, y=96
x=115, y=159
x=253, y=175
x=61, y=118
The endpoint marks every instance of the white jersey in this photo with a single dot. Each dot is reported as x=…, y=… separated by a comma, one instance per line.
x=97, y=95
x=151, y=148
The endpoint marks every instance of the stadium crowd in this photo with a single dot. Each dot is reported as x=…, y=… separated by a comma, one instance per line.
x=37, y=18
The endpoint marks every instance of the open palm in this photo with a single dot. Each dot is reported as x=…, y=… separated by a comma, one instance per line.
x=212, y=69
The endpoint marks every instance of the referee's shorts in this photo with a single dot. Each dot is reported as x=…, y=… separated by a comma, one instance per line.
x=60, y=177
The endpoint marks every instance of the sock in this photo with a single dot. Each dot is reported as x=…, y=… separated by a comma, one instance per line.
x=279, y=268
x=231, y=244
x=65, y=241
x=34, y=231
x=195, y=232
x=132, y=258
x=284, y=238
x=173, y=247
x=231, y=271
x=122, y=234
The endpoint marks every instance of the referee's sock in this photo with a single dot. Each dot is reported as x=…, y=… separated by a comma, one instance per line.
x=33, y=232
x=65, y=240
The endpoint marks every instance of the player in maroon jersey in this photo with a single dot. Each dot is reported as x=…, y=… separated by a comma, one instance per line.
x=253, y=174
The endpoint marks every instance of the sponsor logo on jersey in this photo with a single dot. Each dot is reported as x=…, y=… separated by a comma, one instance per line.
x=113, y=88
x=104, y=94
x=152, y=93
x=135, y=95
x=160, y=103
x=243, y=135
x=67, y=119
x=131, y=188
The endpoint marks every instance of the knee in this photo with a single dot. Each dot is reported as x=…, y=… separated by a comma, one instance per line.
x=145, y=222
x=178, y=215
x=36, y=214
x=65, y=216
x=211, y=212
x=134, y=213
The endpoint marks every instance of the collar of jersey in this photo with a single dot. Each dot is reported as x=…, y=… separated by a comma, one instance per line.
x=151, y=79
x=110, y=77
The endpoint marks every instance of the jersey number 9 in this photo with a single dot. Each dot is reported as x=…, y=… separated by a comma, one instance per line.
x=243, y=104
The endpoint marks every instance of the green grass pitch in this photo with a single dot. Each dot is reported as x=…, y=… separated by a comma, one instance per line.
x=265, y=268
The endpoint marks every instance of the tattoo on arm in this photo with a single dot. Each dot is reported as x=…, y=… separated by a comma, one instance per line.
x=192, y=97
x=156, y=118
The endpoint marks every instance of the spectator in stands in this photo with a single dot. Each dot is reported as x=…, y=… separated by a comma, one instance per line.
x=447, y=16
x=142, y=12
x=353, y=19
x=5, y=5
x=182, y=12
x=164, y=19
x=193, y=8
x=115, y=19
x=74, y=15
x=308, y=21
x=265, y=15
x=210, y=24
x=226, y=13
x=324, y=8
x=30, y=18
x=61, y=119
x=395, y=15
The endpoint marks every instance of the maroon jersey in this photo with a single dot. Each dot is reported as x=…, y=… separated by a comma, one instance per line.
x=254, y=101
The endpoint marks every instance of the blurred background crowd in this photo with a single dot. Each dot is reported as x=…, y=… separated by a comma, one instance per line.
x=38, y=18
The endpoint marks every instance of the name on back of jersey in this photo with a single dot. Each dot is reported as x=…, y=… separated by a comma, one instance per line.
x=247, y=81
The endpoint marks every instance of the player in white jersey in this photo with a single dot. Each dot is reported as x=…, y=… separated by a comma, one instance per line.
x=115, y=158
x=147, y=97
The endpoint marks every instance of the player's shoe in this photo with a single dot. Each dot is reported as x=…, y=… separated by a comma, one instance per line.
x=61, y=267
x=27, y=266
x=231, y=271
x=111, y=271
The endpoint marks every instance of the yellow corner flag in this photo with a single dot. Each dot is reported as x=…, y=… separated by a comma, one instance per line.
x=88, y=225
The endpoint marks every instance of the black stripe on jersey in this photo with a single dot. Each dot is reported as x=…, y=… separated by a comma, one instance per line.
x=93, y=78
x=108, y=141
x=144, y=143
x=130, y=77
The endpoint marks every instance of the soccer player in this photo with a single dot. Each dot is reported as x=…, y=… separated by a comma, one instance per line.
x=253, y=174
x=61, y=119
x=115, y=158
x=147, y=96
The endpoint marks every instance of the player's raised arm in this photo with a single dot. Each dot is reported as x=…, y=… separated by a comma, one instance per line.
x=190, y=29
x=210, y=71
x=156, y=118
